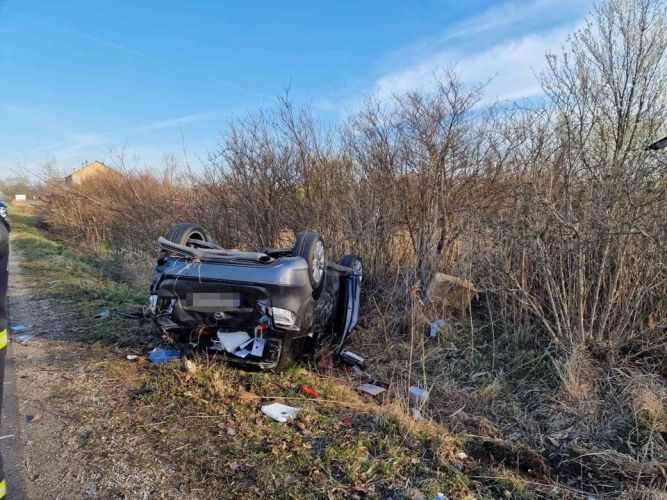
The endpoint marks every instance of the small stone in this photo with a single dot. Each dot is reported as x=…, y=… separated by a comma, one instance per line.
x=34, y=477
x=417, y=495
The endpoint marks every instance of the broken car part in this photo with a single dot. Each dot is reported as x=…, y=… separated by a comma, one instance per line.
x=353, y=359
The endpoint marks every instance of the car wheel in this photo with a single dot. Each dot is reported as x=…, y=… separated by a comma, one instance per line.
x=291, y=352
x=310, y=246
x=183, y=232
x=354, y=261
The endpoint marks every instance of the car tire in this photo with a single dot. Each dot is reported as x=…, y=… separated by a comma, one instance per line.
x=310, y=246
x=183, y=232
x=291, y=352
x=355, y=262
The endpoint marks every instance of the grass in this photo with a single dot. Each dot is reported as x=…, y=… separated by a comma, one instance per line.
x=63, y=275
x=194, y=428
x=201, y=420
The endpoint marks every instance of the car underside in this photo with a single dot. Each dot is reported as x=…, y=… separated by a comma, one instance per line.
x=258, y=309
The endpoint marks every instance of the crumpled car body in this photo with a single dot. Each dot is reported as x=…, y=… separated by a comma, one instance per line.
x=212, y=298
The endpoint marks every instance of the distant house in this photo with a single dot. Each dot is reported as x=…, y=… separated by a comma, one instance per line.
x=88, y=172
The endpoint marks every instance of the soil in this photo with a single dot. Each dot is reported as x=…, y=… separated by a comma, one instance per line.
x=52, y=386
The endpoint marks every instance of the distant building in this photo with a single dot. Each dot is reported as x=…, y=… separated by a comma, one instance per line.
x=87, y=172
x=20, y=197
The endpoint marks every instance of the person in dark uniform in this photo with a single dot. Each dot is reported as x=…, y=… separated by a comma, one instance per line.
x=4, y=321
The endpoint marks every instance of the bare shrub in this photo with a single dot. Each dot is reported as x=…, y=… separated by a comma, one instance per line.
x=554, y=212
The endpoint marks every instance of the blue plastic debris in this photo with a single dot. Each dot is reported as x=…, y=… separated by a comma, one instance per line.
x=159, y=355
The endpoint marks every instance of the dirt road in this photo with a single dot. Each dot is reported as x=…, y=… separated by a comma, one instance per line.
x=49, y=379
x=39, y=462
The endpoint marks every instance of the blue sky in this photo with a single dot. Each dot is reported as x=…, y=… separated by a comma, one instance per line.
x=81, y=77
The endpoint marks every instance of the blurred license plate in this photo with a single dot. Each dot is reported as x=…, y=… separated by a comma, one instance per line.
x=214, y=301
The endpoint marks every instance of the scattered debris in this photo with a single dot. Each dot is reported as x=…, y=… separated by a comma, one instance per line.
x=159, y=355
x=371, y=389
x=280, y=412
x=24, y=338
x=417, y=396
x=106, y=314
x=233, y=466
x=353, y=359
x=20, y=328
x=33, y=419
x=346, y=420
x=308, y=391
x=132, y=357
x=7, y=436
x=462, y=455
x=417, y=415
x=359, y=371
x=440, y=496
x=231, y=341
x=435, y=327
x=258, y=346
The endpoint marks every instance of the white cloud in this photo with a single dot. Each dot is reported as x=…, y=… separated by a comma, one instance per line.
x=504, y=45
x=173, y=122
x=509, y=67
x=515, y=12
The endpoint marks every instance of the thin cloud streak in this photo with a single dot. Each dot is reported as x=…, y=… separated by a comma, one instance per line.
x=511, y=67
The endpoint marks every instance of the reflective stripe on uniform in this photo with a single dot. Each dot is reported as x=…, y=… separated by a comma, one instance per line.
x=3, y=489
x=3, y=341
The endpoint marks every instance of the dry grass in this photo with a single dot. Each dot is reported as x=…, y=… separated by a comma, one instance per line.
x=554, y=214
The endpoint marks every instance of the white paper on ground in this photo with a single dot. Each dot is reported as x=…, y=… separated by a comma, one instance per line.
x=371, y=389
x=232, y=340
x=280, y=412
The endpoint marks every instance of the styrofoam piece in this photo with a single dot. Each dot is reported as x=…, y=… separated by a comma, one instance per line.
x=280, y=412
x=371, y=389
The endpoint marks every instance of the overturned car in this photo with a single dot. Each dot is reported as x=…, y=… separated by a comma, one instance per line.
x=263, y=309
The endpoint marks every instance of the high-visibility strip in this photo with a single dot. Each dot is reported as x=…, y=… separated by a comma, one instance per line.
x=3, y=489
x=3, y=341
